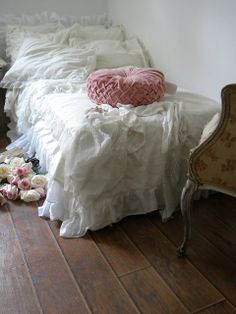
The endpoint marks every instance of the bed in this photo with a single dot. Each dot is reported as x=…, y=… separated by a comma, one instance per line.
x=103, y=163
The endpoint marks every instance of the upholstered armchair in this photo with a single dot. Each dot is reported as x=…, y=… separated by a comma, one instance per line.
x=212, y=164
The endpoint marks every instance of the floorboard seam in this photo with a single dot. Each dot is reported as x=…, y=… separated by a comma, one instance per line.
x=208, y=306
x=68, y=268
x=133, y=271
x=224, y=203
x=217, y=216
x=160, y=276
x=196, y=267
x=134, y=245
x=225, y=222
x=113, y=272
x=213, y=244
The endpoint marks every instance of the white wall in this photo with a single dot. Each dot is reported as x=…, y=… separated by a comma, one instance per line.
x=67, y=7
x=192, y=41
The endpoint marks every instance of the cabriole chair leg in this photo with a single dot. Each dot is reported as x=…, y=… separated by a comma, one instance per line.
x=186, y=205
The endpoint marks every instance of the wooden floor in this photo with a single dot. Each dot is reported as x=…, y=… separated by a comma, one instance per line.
x=131, y=267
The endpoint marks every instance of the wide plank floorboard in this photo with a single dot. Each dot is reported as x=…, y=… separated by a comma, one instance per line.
x=54, y=285
x=210, y=261
x=221, y=206
x=11, y=255
x=17, y=293
x=181, y=276
x=101, y=288
x=121, y=253
x=221, y=308
x=220, y=232
x=151, y=294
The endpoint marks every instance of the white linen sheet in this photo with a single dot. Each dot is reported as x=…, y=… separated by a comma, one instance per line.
x=106, y=164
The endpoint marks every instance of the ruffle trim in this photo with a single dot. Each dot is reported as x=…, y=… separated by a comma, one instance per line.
x=102, y=213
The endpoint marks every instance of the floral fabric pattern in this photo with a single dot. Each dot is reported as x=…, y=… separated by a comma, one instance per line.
x=214, y=163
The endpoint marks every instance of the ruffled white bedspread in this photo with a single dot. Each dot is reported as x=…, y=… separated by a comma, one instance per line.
x=106, y=164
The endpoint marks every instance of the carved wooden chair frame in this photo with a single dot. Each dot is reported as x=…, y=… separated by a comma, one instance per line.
x=217, y=152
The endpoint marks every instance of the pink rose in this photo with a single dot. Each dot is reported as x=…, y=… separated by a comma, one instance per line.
x=13, y=180
x=12, y=192
x=21, y=171
x=24, y=184
x=2, y=199
x=41, y=192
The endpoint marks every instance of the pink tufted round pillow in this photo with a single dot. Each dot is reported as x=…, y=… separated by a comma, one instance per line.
x=128, y=85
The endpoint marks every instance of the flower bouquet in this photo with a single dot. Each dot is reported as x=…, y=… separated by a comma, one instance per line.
x=19, y=179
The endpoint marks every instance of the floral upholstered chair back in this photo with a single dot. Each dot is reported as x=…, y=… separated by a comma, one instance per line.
x=213, y=163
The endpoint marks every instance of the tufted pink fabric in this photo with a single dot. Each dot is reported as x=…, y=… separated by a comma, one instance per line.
x=127, y=85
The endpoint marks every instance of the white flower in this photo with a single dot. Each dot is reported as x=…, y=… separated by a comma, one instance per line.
x=16, y=162
x=29, y=196
x=39, y=181
x=31, y=175
x=4, y=171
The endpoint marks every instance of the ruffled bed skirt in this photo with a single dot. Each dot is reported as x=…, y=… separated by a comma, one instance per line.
x=108, y=211
x=60, y=204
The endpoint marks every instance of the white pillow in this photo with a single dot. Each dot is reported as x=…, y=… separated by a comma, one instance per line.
x=133, y=44
x=42, y=59
x=114, y=59
x=46, y=18
x=114, y=53
x=16, y=34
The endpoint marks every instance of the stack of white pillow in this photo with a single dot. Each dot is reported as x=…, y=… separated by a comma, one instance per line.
x=53, y=51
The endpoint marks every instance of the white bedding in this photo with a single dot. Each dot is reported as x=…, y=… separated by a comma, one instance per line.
x=102, y=164
x=106, y=165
